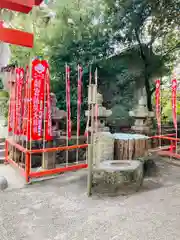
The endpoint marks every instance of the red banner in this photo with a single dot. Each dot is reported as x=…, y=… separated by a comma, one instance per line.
x=18, y=100
x=48, y=128
x=68, y=102
x=11, y=112
x=26, y=106
x=12, y=103
x=39, y=69
x=79, y=93
x=174, y=102
x=158, y=102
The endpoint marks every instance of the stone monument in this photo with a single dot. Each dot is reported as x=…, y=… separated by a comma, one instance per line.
x=142, y=117
x=58, y=117
x=49, y=159
x=3, y=183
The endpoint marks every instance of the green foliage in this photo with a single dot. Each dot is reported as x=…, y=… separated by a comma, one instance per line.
x=139, y=26
x=74, y=40
x=87, y=32
x=4, y=107
x=1, y=84
x=149, y=24
x=167, y=106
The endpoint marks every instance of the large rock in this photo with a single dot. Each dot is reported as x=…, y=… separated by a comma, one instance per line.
x=3, y=183
x=112, y=176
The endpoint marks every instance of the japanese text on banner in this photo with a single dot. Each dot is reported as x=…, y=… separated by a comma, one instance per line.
x=18, y=104
x=39, y=69
x=48, y=128
x=26, y=106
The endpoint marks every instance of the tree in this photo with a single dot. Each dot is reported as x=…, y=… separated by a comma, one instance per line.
x=148, y=23
x=75, y=38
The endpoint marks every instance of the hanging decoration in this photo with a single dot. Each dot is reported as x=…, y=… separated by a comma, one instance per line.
x=86, y=133
x=26, y=106
x=158, y=103
x=18, y=100
x=174, y=102
x=79, y=92
x=39, y=69
x=48, y=126
x=68, y=102
x=11, y=112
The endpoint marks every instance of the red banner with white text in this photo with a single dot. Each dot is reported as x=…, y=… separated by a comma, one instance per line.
x=18, y=101
x=48, y=126
x=26, y=106
x=39, y=68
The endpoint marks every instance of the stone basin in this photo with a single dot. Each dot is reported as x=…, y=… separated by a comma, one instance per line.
x=119, y=165
x=116, y=174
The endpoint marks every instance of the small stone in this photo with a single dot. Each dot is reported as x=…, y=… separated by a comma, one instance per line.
x=3, y=183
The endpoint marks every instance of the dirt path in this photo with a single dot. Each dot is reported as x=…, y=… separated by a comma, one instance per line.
x=53, y=211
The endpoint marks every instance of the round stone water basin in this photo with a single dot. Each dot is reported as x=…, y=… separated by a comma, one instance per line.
x=119, y=165
x=118, y=175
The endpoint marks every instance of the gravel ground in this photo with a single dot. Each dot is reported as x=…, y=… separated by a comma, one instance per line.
x=53, y=211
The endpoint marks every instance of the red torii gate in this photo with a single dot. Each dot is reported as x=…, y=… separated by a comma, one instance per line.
x=25, y=39
x=23, y=6
x=14, y=36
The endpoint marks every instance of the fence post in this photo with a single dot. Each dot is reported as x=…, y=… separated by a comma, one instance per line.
x=6, y=152
x=27, y=165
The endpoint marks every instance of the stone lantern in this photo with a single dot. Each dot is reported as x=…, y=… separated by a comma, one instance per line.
x=102, y=114
x=58, y=117
x=142, y=117
x=103, y=141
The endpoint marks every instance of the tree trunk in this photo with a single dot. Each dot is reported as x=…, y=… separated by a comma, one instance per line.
x=146, y=75
x=148, y=91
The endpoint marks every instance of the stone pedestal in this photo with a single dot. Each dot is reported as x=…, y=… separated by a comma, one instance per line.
x=103, y=147
x=49, y=158
x=49, y=161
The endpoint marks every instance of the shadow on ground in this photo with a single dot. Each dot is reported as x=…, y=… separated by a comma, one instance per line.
x=161, y=175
